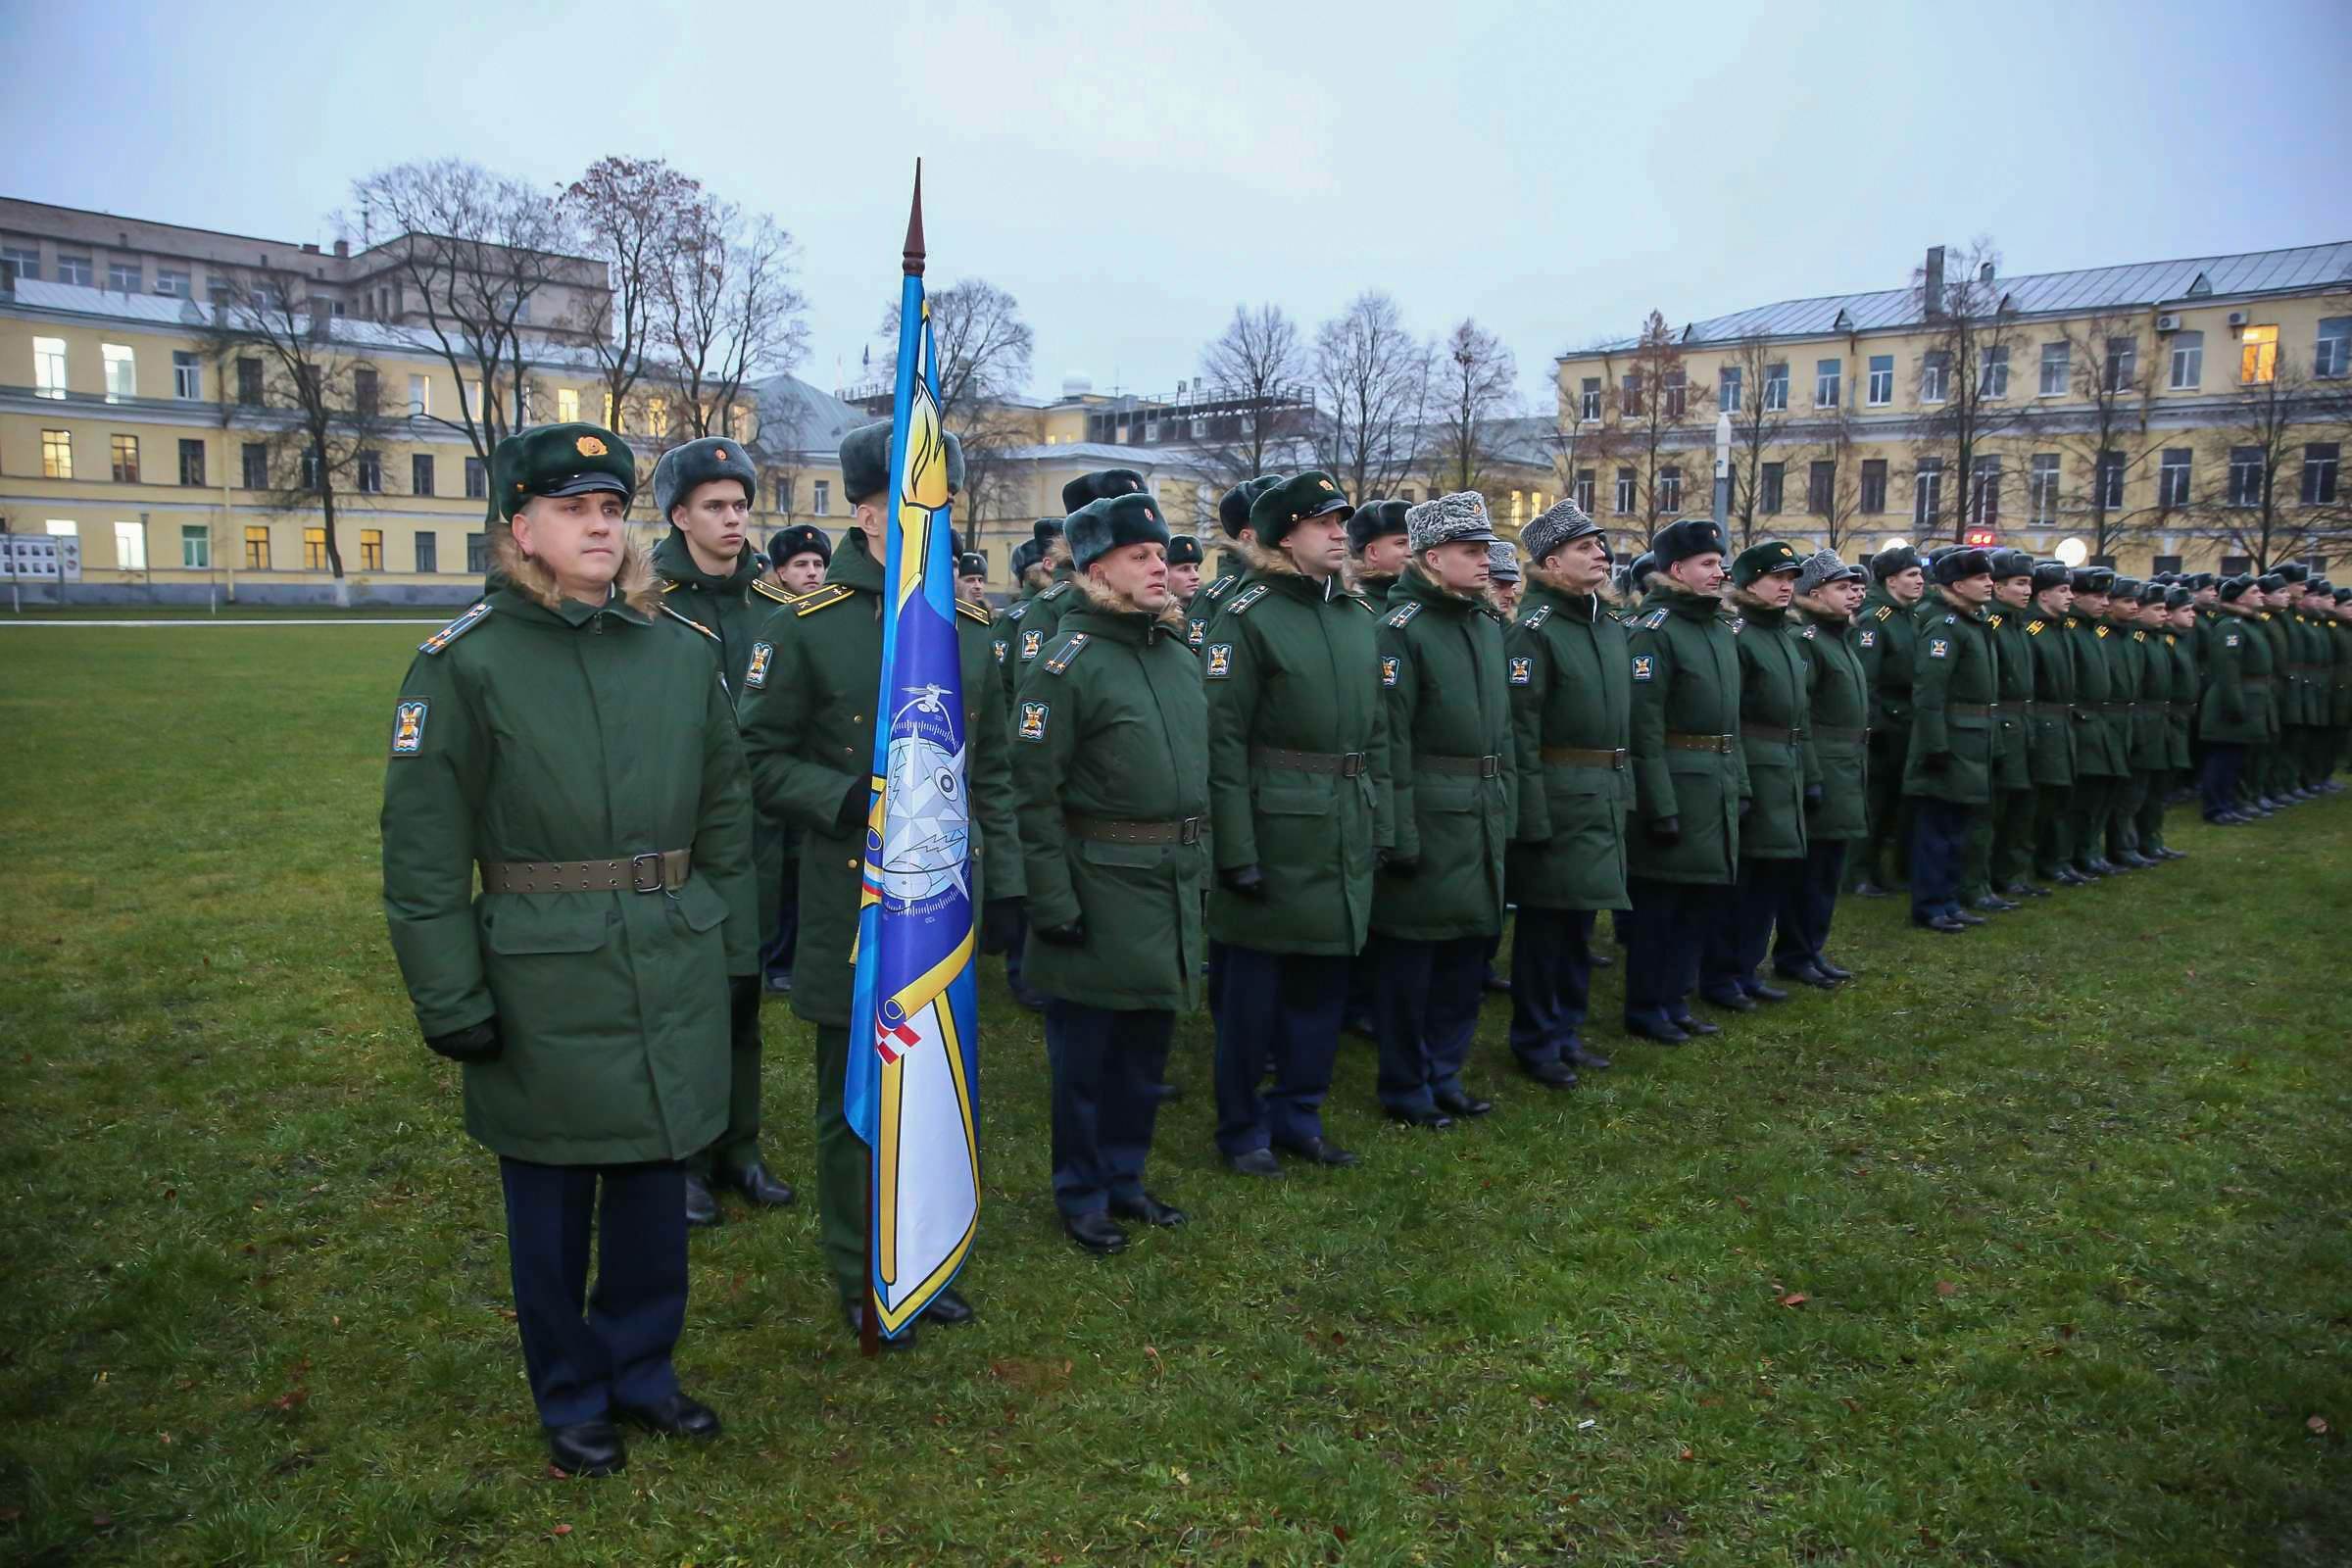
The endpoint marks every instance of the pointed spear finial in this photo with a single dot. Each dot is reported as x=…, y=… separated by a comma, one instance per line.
x=913, y=260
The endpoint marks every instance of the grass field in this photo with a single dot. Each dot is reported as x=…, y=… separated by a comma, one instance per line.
x=2030, y=1247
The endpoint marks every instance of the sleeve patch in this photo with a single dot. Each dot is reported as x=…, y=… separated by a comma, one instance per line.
x=1643, y=665
x=1032, y=720
x=1249, y=597
x=1032, y=643
x=754, y=674
x=408, y=725
x=1523, y=669
x=2229, y=639
x=1391, y=666
x=1072, y=645
x=1000, y=645
x=1939, y=648
x=1403, y=615
x=456, y=629
x=1194, y=631
x=1220, y=661
x=1869, y=638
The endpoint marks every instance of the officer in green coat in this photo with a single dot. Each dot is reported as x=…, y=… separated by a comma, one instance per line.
x=1297, y=807
x=1882, y=638
x=1572, y=726
x=1111, y=768
x=1377, y=548
x=798, y=557
x=2265, y=775
x=809, y=731
x=2173, y=630
x=711, y=574
x=2141, y=708
x=1438, y=898
x=2000, y=842
x=2051, y=722
x=1955, y=681
x=2234, y=700
x=1041, y=616
x=575, y=742
x=1232, y=560
x=1828, y=593
x=2102, y=749
x=1689, y=778
x=1784, y=776
x=1185, y=559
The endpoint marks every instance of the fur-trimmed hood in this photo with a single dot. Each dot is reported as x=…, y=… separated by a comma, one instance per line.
x=1475, y=597
x=528, y=574
x=1057, y=552
x=1955, y=602
x=1814, y=604
x=1747, y=604
x=1657, y=582
x=1607, y=593
x=1099, y=597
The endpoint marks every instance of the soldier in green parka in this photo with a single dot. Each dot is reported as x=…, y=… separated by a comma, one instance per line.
x=2000, y=842
x=1572, y=726
x=1828, y=593
x=2233, y=698
x=2263, y=774
x=2102, y=749
x=1438, y=897
x=2174, y=630
x=2130, y=674
x=710, y=573
x=2050, y=723
x=1784, y=776
x=1689, y=778
x=1882, y=638
x=809, y=732
x=1954, y=683
x=1111, y=763
x=1232, y=560
x=573, y=740
x=1040, y=617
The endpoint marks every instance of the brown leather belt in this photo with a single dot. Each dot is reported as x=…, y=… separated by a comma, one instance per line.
x=1969, y=710
x=1458, y=767
x=1680, y=741
x=1344, y=764
x=1107, y=830
x=1839, y=732
x=1586, y=757
x=1767, y=732
x=662, y=871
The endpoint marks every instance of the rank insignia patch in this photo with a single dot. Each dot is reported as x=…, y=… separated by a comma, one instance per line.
x=1031, y=642
x=1522, y=671
x=407, y=726
x=1249, y=596
x=1655, y=619
x=1220, y=661
x=1808, y=633
x=1032, y=720
x=1642, y=666
x=1883, y=612
x=1389, y=669
x=754, y=674
x=1194, y=631
x=1535, y=623
x=1068, y=651
x=1939, y=647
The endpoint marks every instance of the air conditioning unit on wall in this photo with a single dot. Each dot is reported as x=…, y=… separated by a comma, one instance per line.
x=2238, y=318
x=2167, y=323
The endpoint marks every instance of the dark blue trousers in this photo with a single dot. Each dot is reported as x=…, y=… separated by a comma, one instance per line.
x=1106, y=1074
x=1663, y=935
x=589, y=1351
x=775, y=961
x=1740, y=927
x=1551, y=980
x=1808, y=902
x=1363, y=988
x=1425, y=1011
x=1280, y=1009
x=1939, y=841
x=2217, y=783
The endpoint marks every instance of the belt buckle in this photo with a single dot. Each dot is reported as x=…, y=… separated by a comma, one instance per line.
x=1351, y=764
x=1725, y=743
x=1489, y=766
x=643, y=865
x=1188, y=831
x=1619, y=757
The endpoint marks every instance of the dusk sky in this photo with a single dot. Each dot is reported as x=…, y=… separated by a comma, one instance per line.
x=1132, y=173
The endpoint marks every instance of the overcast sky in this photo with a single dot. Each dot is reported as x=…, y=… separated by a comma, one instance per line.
x=1133, y=173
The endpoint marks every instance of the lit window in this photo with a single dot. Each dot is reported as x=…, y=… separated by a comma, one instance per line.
x=64, y=530
x=49, y=366
x=256, y=547
x=195, y=547
x=57, y=454
x=656, y=418
x=371, y=549
x=313, y=549
x=2072, y=550
x=121, y=372
x=124, y=450
x=130, y=547
x=2258, y=355
x=2189, y=360
x=567, y=406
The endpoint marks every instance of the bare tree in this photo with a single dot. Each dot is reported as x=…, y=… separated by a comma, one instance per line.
x=2277, y=499
x=726, y=310
x=1756, y=423
x=2108, y=439
x=1372, y=379
x=1964, y=373
x=1474, y=391
x=1834, y=480
x=984, y=348
x=1655, y=411
x=626, y=213
x=1257, y=365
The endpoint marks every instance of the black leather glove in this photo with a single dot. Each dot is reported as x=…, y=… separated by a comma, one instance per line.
x=1812, y=799
x=743, y=1006
x=1664, y=831
x=854, y=804
x=1395, y=865
x=1000, y=924
x=1747, y=804
x=1936, y=761
x=1072, y=934
x=1247, y=881
x=478, y=1042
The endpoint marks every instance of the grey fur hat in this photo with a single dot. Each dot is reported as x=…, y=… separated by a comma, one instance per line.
x=1441, y=520
x=1562, y=522
x=699, y=463
x=1502, y=561
x=1826, y=567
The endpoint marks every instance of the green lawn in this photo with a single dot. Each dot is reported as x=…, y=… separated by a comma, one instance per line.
x=2030, y=1248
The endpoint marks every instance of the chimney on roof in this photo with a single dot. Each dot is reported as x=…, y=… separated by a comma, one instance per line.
x=343, y=249
x=1984, y=273
x=308, y=249
x=1931, y=291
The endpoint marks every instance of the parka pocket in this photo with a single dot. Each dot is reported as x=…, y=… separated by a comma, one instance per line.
x=522, y=924
x=1131, y=857
x=699, y=904
x=1301, y=797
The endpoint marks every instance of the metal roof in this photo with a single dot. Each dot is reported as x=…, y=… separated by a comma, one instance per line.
x=2302, y=268
x=797, y=416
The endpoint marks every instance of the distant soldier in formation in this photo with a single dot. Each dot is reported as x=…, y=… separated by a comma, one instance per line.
x=1955, y=679
x=1376, y=547
x=1828, y=592
x=1883, y=640
x=2052, y=722
x=2000, y=841
x=1502, y=578
x=2233, y=714
x=1232, y=560
x=798, y=557
x=1184, y=569
x=2103, y=751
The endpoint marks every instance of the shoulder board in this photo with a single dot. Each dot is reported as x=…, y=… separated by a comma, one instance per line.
x=1054, y=592
x=457, y=628
x=1655, y=619
x=1884, y=611
x=1404, y=613
x=1809, y=633
x=2139, y=636
x=1738, y=624
x=670, y=585
x=1247, y=598
x=691, y=621
x=1993, y=620
x=1072, y=647
x=817, y=599
x=2265, y=615
x=972, y=611
x=1219, y=588
x=1951, y=620
x=1019, y=609
x=2072, y=623
x=1535, y=622
x=2034, y=628
x=1361, y=603
x=761, y=586
x=2103, y=630
x=2170, y=638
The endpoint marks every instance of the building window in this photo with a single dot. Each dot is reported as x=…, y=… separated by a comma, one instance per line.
x=421, y=473
x=130, y=547
x=371, y=473
x=820, y=498
x=313, y=549
x=1589, y=412
x=1874, y=480
x=254, y=468
x=174, y=285
x=191, y=462
x=478, y=552
x=249, y=381
x=1881, y=381
x=27, y=260
x=1631, y=395
x=195, y=547
x=1828, y=379
x=2319, y=474
x=49, y=366
x=2334, y=346
x=364, y=390
x=1626, y=492
x=2258, y=355
x=2108, y=482
x=2057, y=368
x=2165, y=563
x=187, y=375
x=1726, y=389
x=1678, y=395
x=784, y=499
x=1771, y=491
x=2123, y=363
x=2189, y=360
x=1776, y=388
x=124, y=277
x=1935, y=375
x=567, y=406
x=310, y=468
x=2245, y=476
x=2042, y=487
x=256, y=547
x=1927, y=494
x=1984, y=492
x=57, y=454
x=1820, y=488
x=64, y=530
x=73, y=270
x=428, y=550
x=219, y=291
x=1670, y=489
x=121, y=372
x=656, y=418
x=124, y=449
x=371, y=549
x=421, y=395
x=1992, y=374
x=2172, y=478
x=1582, y=491
x=477, y=479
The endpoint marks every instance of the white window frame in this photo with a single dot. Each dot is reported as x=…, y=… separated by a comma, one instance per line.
x=1730, y=386
x=820, y=499
x=2041, y=483
x=2173, y=478
x=130, y=547
x=420, y=397
x=62, y=528
x=1828, y=382
x=1588, y=403
x=121, y=364
x=2058, y=357
x=188, y=377
x=1627, y=492
x=1992, y=374
x=139, y=278
x=2122, y=367
x=1926, y=482
x=49, y=366
x=1670, y=489
x=1935, y=378
x=1776, y=388
x=195, y=547
x=2331, y=352
x=1881, y=381
x=173, y=284
x=2187, y=361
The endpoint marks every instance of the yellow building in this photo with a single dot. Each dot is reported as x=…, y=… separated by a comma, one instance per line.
x=2182, y=414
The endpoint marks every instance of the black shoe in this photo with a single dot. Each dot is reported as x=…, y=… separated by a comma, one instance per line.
x=1994, y=903
x=1023, y=995
x=852, y=1319
x=759, y=1188
x=2025, y=890
x=1758, y=991
x=1318, y=1152
x=1094, y=1231
x=1149, y=1211
x=777, y=985
x=1603, y=961
x=1437, y=1121
x=949, y=1310
x=1576, y=1053
x=1168, y=1094
x=1806, y=975
x=677, y=1416
x=1256, y=1162
x=1833, y=970
x=1492, y=984
x=2065, y=876
x=1870, y=890
x=587, y=1449
x=1940, y=922
x=1668, y=1034
x=2136, y=860
x=1966, y=919
x=1359, y=1025
x=1729, y=1000
x=2167, y=852
x=1459, y=1102
x=1697, y=1026
x=700, y=1207
x=1553, y=1074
